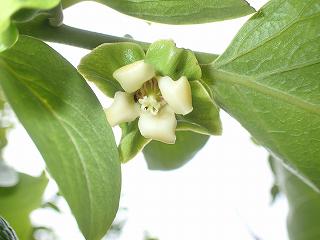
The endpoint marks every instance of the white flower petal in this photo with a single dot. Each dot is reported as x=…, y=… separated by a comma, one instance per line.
x=123, y=109
x=159, y=127
x=8, y=176
x=177, y=94
x=131, y=77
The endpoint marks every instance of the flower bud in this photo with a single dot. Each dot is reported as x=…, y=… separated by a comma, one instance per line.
x=123, y=109
x=159, y=127
x=131, y=77
x=177, y=94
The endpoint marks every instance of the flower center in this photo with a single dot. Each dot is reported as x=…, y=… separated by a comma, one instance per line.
x=150, y=104
x=149, y=97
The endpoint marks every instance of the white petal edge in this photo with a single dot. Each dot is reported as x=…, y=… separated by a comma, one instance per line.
x=160, y=127
x=177, y=94
x=123, y=109
x=132, y=76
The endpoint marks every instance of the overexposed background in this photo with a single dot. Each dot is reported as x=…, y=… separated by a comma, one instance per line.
x=223, y=193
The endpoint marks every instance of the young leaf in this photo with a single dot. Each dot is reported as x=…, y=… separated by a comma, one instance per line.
x=69, y=127
x=168, y=60
x=18, y=202
x=304, y=205
x=205, y=116
x=8, y=31
x=160, y=156
x=178, y=11
x=99, y=65
x=269, y=79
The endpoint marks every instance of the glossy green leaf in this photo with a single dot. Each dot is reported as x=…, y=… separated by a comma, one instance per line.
x=304, y=205
x=18, y=202
x=269, y=79
x=99, y=65
x=132, y=142
x=168, y=60
x=160, y=156
x=8, y=31
x=6, y=231
x=205, y=116
x=178, y=11
x=68, y=125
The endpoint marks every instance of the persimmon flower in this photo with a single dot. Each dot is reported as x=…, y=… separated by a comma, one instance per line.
x=154, y=99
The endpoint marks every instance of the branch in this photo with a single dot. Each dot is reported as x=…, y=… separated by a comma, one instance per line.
x=64, y=34
x=41, y=28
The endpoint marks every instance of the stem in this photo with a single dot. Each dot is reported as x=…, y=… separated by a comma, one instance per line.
x=56, y=16
x=42, y=29
x=70, y=36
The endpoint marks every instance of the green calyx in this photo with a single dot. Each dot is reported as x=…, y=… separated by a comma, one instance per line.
x=167, y=60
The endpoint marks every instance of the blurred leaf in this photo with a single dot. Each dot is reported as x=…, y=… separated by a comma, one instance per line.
x=8, y=31
x=6, y=232
x=18, y=202
x=99, y=65
x=132, y=142
x=204, y=118
x=268, y=79
x=3, y=137
x=304, y=204
x=168, y=60
x=178, y=11
x=275, y=191
x=161, y=156
x=68, y=125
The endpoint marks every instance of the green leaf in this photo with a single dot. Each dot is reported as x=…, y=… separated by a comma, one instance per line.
x=178, y=11
x=99, y=65
x=168, y=60
x=304, y=205
x=132, y=142
x=18, y=202
x=69, y=127
x=161, y=156
x=269, y=80
x=6, y=232
x=8, y=31
x=205, y=116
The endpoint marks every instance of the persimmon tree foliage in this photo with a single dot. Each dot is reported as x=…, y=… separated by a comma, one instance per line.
x=166, y=101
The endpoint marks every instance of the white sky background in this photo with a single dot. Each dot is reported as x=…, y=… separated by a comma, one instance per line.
x=222, y=194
